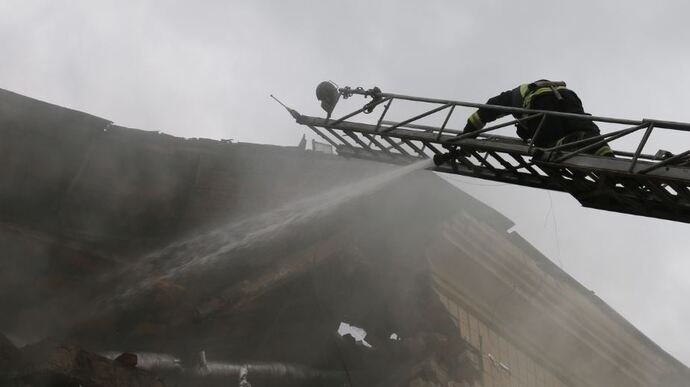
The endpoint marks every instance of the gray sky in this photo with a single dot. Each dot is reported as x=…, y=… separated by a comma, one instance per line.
x=205, y=69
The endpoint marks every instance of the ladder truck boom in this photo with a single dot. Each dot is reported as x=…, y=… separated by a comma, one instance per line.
x=632, y=182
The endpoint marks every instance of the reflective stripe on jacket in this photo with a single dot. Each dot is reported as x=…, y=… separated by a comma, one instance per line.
x=530, y=90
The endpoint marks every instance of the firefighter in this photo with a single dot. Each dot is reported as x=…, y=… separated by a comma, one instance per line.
x=543, y=95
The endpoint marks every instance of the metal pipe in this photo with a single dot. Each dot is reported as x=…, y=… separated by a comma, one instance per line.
x=385, y=110
x=483, y=161
x=343, y=118
x=643, y=156
x=396, y=146
x=499, y=126
x=445, y=122
x=426, y=128
x=339, y=137
x=665, y=162
x=371, y=105
x=333, y=143
x=374, y=141
x=598, y=143
x=683, y=126
x=166, y=363
x=528, y=111
x=415, y=118
x=641, y=145
x=415, y=148
x=356, y=139
x=536, y=132
x=599, y=137
x=430, y=146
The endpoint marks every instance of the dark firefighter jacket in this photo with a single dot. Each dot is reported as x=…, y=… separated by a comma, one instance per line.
x=540, y=95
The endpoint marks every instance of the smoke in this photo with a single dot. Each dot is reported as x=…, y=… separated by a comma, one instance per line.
x=204, y=251
x=197, y=74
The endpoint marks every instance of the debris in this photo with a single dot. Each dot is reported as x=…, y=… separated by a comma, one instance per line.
x=244, y=374
x=357, y=333
x=127, y=359
x=50, y=362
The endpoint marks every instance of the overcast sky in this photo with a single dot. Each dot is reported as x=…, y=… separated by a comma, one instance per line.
x=206, y=68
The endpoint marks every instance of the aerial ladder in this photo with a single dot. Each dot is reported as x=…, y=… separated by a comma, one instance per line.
x=632, y=182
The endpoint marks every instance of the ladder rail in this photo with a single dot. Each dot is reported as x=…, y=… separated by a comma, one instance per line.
x=674, y=125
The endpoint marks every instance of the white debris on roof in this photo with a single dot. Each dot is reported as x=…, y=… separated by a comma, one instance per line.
x=357, y=333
